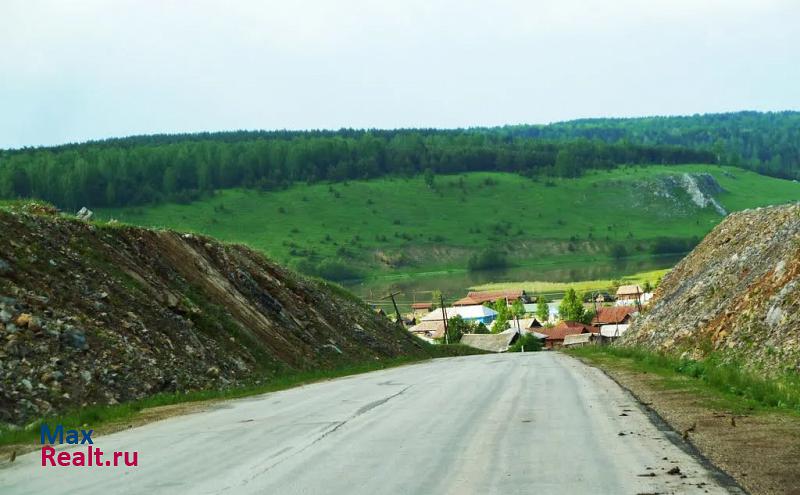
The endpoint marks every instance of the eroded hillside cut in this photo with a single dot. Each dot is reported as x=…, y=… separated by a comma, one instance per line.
x=99, y=315
x=737, y=293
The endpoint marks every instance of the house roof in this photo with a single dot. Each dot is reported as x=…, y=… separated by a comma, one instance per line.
x=629, y=290
x=467, y=312
x=565, y=328
x=526, y=323
x=614, y=314
x=492, y=342
x=466, y=301
x=552, y=308
x=480, y=297
x=421, y=305
x=613, y=330
x=434, y=328
x=577, y=338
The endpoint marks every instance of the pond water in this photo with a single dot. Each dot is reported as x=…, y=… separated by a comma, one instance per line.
x=454, y=285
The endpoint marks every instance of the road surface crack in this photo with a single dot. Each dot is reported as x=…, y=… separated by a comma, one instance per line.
x=335, y=426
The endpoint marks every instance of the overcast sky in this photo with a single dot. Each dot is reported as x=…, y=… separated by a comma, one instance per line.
x=77, y=70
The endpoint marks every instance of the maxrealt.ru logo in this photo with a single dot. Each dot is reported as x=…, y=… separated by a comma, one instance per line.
x=92, y=456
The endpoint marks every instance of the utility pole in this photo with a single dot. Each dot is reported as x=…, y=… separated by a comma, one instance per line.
x=444, y=315
x=638, y=300
x=397, y=311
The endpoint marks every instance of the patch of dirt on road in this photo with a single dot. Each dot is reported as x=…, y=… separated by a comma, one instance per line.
x=760, y=450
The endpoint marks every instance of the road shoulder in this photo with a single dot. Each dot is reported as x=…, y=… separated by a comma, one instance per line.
x=758, y=449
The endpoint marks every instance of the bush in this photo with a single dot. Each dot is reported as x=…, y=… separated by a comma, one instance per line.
x=672, y=245
x=481, y=328
x=527, y=341
x=619, y=252
x=329, y=270
x=456, y=327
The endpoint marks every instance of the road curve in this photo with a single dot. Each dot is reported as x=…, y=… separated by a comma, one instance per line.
x=510, y=423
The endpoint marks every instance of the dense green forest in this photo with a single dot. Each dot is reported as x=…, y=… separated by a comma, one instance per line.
x=146, y=169
x=768, y=143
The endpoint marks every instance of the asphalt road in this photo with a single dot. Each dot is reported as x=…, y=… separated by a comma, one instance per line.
x=534, y=423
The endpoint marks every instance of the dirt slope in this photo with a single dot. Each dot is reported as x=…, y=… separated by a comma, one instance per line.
x=100, y=314
x=737, y=293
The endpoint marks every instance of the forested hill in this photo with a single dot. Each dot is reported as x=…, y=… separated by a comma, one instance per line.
x=768, y=143
x=143, y=169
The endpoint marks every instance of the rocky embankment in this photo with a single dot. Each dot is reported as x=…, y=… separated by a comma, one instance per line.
x=100, y=314
x=737, y=294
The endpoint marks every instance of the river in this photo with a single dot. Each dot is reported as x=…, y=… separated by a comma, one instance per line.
x=454, y=285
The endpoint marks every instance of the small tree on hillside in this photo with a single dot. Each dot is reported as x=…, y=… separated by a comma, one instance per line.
x=571, y=307
x=429, y=178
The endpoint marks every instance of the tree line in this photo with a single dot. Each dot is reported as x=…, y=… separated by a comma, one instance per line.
x=766, y=142
x=138, y=170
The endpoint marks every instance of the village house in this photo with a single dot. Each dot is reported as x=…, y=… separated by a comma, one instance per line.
x=613, y=321
x=555, y=335
x=603, y=297
x=579, y=339
x=611, y=332
x=428, y=330
x=483, y=297
x=492, y=342
x=471, y=314
x=526, y=324
x=614, y=315
x=420, y=309
x=552, y=310
x=629, y=294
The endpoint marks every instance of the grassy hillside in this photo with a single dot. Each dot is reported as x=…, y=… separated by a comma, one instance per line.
x=402, y=225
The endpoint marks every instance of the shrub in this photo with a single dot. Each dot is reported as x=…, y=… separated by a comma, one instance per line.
x=481, y=328
x=488, y=259
x=618, y=252
x=456, y=327
x=527, y=341
x=672, y=245
x=329, y=270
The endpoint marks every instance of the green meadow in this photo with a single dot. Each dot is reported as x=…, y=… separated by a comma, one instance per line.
x=392, y=226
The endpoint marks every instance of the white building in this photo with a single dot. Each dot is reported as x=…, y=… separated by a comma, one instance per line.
x=474, y=314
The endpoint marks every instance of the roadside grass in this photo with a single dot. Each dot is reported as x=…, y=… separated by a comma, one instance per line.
x=100, y=415
x=411, y=227
x=729, y=384
x=541, y=287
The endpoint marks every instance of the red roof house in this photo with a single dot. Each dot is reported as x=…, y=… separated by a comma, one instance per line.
x=614, y=315
x=490, y=296
x=556, y=334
